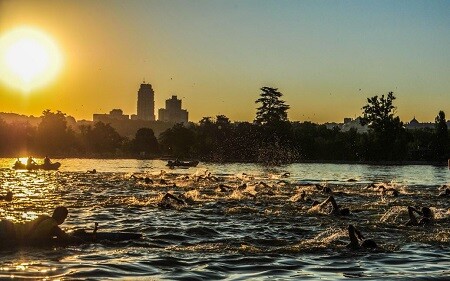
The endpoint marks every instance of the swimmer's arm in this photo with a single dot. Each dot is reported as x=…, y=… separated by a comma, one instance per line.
x=168, y=195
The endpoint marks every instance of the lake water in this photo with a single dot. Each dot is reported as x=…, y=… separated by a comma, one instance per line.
x=259, y=231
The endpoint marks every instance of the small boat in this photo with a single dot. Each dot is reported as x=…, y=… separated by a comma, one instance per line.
x=177, y=163
x=50, y=166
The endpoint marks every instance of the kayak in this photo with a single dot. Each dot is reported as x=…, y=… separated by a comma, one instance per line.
x=177, y=163
x=51, y=166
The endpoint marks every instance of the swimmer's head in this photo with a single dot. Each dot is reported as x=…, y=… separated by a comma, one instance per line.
x=427, y=212
x=344, y=211
x=369, y=243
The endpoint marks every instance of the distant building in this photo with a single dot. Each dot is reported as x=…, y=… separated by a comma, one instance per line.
x=145, y=103
x=414, y=124
x=350, y=123
x=115, y=114
x=173, y=112
x=332, y=125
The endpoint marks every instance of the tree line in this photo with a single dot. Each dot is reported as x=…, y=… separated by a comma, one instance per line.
x=271, y=138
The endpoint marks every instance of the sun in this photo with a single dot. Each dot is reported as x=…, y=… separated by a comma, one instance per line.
x=29, y=59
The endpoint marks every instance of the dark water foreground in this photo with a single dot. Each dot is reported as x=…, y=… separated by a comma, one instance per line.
x=257, y=232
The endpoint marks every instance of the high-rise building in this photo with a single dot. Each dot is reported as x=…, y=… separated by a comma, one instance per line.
x=146, y=103
x=173, y=112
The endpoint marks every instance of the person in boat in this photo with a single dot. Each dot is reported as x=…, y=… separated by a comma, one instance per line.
x=39, y=231
x=31, y=162
x=18, y=163
x=355, y=237
x=425, y=212
x=335, y=209
x=47, y=161
x=8, y=197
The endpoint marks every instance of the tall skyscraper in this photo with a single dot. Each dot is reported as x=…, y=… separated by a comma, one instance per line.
x=146, y=103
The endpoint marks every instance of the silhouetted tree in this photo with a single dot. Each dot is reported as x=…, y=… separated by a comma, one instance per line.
x=276, y=130
x=3, y=138
x=272, y=109
x=145, y=141
x=442, y=140
x=388, y=138
x=52, y=135
x=378, y=114
x=178, y=141
x=102, y=139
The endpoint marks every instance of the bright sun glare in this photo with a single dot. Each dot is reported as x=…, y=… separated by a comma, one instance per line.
x=29, y=59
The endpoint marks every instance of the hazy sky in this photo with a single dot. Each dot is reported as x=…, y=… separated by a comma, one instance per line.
x=326, y=57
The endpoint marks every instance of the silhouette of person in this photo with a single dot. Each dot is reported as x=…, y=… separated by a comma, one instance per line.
x=355, y=237
x=170, y=201
x=425, y=212
x=8, y=197
x=47, y=161
x=31, y=162
x=445, y=193
x=39, y=231
x=335, y=210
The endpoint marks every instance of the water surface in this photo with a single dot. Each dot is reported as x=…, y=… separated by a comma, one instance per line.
x=258, y=231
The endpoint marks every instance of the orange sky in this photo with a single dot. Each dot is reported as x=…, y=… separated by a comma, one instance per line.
x=216, y=55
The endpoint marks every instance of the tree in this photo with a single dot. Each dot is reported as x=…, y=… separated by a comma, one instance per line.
x=52, y=135
x=379, y=113
x=387, y=137
x=102, y=138
x=145, y=141
x=177, y=141
x=441, y=132
x=272, y=109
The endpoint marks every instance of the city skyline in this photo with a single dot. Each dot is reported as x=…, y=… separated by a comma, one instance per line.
x=326, y=58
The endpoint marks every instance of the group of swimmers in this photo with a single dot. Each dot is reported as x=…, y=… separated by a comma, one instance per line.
x=45, y=228
x=417, y=216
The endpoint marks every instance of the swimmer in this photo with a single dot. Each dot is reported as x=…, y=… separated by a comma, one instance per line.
x=8, y=197
x=147, y=180
x=39, y=231
x=263, y=184
x=336, y=210
x=385, y=190
x=303, y=198
x=445, y=193
x=242, y=186
x=225, y=188
x=425, y=212
x=324, y=189
x=168, y=201
x=355, y=237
